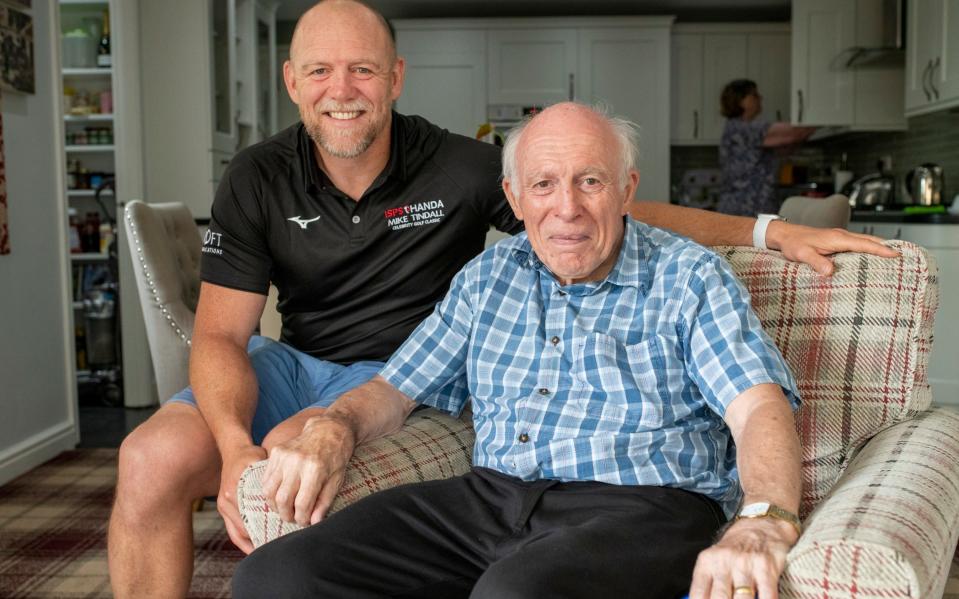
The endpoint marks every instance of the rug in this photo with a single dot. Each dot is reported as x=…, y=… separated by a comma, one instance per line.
x=53, y=533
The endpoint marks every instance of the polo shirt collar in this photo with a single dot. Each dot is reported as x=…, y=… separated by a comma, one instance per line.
x=315, y=179
x=631, y=269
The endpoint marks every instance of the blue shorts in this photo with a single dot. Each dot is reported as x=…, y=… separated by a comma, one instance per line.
x=290, y=381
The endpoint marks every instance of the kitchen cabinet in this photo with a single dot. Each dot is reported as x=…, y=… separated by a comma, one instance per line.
x=447, y=60
x=101, y=123
x=627, y=69
x=622, y=62
x=705, y=57
x=942, y=242
x=532, y=66
x=932, y=73
x=826, y=89
x=202, y=111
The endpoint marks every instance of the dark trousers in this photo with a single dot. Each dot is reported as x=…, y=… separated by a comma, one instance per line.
x=491, y=536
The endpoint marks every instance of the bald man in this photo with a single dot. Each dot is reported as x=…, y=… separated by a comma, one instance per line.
x=360, y=216
x=610, y=367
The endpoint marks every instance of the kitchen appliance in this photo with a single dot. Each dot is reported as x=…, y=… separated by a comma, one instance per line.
x=924, y=185
x=871, y=191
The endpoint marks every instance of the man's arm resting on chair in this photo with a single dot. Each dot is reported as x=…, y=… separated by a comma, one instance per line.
x=225, y=387
x=752, y=552
x=797, y=243
x=304, y=474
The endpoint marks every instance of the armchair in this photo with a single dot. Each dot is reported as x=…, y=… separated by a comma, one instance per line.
x=880, y=466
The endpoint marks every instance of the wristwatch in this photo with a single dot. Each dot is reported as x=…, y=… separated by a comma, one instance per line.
x=759, y=229
x=764, y=509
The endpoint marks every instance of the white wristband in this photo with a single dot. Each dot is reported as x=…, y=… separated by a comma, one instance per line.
x=759, y=229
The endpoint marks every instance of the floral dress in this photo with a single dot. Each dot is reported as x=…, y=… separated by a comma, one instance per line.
x=748, y=169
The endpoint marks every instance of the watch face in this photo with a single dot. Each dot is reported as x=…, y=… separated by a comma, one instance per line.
x=754, y=509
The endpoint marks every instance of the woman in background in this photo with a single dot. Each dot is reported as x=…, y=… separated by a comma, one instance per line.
x=746, y=154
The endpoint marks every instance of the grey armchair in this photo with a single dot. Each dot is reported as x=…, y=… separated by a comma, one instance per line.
x=165, y=246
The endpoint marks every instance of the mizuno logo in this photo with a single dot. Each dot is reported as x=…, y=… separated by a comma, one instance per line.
x=302, y=221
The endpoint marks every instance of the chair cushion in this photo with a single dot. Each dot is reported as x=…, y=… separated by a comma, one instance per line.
x=858, y=344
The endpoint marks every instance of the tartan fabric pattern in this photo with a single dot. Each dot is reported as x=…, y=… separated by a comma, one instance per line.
x=858, y=344
x=53, y=527
x=431, y=445
x=889, y=526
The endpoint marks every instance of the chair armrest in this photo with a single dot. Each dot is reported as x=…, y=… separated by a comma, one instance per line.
x=431, y=445
x=889, y=526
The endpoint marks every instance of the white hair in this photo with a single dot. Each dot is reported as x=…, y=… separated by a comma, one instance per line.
x=625, y=131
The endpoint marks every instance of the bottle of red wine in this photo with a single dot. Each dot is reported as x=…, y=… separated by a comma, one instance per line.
x=104, y=58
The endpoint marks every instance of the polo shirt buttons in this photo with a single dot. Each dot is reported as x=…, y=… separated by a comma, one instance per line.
x=544, y=391
x=554, y=340
x=356, y=220
x=524, y=438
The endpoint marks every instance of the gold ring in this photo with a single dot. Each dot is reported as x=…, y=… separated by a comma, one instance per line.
x=744, y=590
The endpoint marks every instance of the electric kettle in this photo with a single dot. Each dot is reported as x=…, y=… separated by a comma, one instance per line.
x=924, y=185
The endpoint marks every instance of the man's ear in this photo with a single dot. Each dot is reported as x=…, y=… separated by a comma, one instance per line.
x=513, y=203
x=631, y=184
x=398, y=74
x=289, y=78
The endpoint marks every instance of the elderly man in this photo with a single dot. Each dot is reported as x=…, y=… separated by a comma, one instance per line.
x=610, y=366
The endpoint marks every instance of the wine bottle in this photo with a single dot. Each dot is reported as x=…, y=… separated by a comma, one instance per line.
x=104, y=58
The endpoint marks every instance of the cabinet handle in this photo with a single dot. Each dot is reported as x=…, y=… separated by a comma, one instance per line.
x=932, y=76
x=799, y=120
x=572, y=86
x=898, y=234
x=925, y=73
x=695, y=124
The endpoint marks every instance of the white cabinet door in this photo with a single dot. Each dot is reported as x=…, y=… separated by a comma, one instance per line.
x=769, y=68
x=823, y=31
x=445, y=78
x=531, y=66
x=629, y=70
x=687, y=88
x=724, y=59
x=949, y=70
x=922, y=48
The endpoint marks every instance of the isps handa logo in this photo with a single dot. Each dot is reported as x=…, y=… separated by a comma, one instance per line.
x=211, y=243
x=415, y=215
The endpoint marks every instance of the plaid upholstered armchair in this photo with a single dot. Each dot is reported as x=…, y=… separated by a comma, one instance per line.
x=880, y=467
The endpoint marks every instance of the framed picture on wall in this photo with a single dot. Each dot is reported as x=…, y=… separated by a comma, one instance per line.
x=16, y=51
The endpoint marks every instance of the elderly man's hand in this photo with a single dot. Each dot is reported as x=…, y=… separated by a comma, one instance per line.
x=304, y=474
x=751, y=554
x=811, y=245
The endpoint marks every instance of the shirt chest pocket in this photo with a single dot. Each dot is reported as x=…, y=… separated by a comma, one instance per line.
x=626, y=382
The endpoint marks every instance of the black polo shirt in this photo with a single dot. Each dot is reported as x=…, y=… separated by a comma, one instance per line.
x=354, y=278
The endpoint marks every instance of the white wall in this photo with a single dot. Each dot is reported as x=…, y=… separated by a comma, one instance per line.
x=37, y=391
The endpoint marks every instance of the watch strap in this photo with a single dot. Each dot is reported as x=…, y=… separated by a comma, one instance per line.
x=771, y=511
x=759, y=229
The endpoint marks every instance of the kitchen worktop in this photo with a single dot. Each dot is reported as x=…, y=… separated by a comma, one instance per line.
x=897, y=216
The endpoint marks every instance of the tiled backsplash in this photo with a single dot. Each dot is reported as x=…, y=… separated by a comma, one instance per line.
x=930, y=138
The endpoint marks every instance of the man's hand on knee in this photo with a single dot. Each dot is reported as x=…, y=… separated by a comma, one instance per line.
x=304, y=474
x=233, y=467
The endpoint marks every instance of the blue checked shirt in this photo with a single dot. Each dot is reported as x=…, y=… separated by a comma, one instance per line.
x=623, y=381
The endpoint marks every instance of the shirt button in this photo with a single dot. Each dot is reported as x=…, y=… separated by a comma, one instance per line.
x=554, y=340
x=356, y=220
x=523, y=438
x=544, y=391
